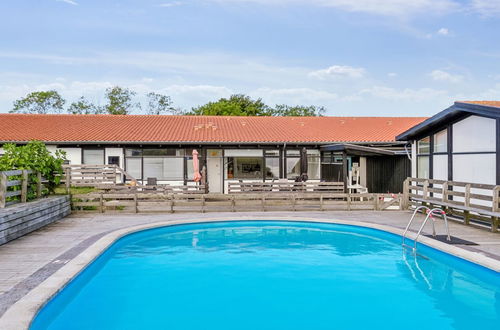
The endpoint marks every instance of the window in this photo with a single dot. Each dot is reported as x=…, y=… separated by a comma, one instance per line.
x=164, y=164
x=133, y=166
x=313, y=164
x=93, y=156
x=292, y=167
x=133, y=152
x=423, y=167
x=441, y=141
x=244, y=167
x=163, y=152
x=423, y=146
x=272, y=168
x=114, y=160
x=163, y=168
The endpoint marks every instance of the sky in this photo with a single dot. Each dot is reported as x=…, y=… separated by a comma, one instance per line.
x=354, y=57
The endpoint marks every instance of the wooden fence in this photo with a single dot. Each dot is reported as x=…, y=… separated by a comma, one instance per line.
x=467, y=200
x=14, y=186
x=164, y=202
x=165, y=188
x=285, y=187
x=91, y=175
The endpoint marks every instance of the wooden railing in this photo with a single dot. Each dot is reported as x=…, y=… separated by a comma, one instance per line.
x=14, y=186
x=164, y=188
x=91, y=175
x=165, y=202
x=467, y=200
x=286, y=187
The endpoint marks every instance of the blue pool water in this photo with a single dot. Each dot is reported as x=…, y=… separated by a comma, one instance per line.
x=274, y=275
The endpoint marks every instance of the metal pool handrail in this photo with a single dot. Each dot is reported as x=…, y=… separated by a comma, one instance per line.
x=429, y=215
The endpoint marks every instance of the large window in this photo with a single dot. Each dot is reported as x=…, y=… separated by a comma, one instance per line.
x=134, y=167
x=423, y=157
x=292, y=164
x=313, y=164
x=164, y=164
x=272, y=164
x=93, y=156
x=164, y=168
x=423, y=167
x=245, y=167
x=423, y=146
x=441, y=141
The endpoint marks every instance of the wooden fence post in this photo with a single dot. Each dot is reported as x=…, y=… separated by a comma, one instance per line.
x=38, y=184
x=406, y=194
x=135, y=203
x=3, y=189
x=67, y=174
x=101, y=203
x=426, y=189
x=24, y=186
x=495, y=208
x=467, y=204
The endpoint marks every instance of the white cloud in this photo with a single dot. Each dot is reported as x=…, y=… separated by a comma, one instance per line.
x=440, y=75
x=443, y=32
x=69, y=2
x=392, y=74
x=306, y=96
x=338, y=71
x=408, y=94
x=380, y=7
x=486, y=7
x=171, y=4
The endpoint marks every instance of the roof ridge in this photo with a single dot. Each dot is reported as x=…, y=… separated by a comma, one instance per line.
x=204, y=116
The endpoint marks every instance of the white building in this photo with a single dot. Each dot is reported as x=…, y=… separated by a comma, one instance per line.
x=461, y=143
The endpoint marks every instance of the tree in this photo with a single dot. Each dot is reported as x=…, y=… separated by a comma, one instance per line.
x=159, y=104
x=34, y=156
x=236, y=105
x=39, y=102
x=84, y=107
x=297, y=110
x=120, y=101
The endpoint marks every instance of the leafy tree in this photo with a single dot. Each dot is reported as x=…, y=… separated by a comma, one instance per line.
x=34, y=156
x=84, y=107
x=39, y=102
x=120, y=101
x=236, y=105
x=297, y=110
x=159, y=104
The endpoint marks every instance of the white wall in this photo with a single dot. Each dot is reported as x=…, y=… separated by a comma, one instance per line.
x=474, y=134
x=74, y=155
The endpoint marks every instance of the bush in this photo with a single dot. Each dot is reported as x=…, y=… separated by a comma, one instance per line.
x=34, y=156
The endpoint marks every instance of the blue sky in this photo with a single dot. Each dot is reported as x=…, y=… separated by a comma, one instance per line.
x=355, y=57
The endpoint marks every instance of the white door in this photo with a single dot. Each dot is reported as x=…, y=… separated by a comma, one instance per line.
x=214, y=171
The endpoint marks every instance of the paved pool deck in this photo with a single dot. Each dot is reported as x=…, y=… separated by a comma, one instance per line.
x=28, y=261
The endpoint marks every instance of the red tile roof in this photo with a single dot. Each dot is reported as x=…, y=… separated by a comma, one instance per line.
x=200, y=129
x=487, y=103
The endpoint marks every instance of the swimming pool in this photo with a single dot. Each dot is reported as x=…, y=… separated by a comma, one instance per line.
x=273, y=275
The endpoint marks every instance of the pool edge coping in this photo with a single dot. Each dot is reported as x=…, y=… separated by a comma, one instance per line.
x=21, y=313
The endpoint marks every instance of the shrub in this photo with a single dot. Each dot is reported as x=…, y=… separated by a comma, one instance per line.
x=34, y=156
